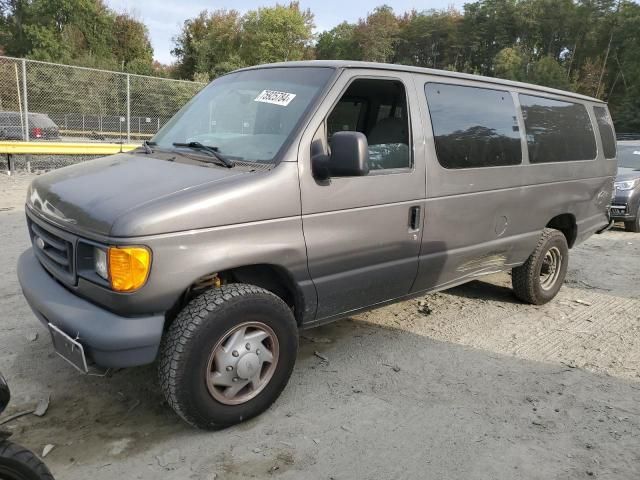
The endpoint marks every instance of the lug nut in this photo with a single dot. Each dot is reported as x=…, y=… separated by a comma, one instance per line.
x=235, y=353
x=257, y=352
x=248, y=346
x=235, y=379
x=229, y=368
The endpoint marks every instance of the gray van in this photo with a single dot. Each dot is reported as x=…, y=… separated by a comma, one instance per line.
x=285, y=196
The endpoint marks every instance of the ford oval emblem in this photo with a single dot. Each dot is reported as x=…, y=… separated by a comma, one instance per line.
x=40, y=243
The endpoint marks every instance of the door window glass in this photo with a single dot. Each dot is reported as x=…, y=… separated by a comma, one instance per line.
x=377, y=108
x=605, y=125
x=473, y=127
x=557, y=131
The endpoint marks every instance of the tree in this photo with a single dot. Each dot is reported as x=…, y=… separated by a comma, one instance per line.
x=548, y=72
x=339, y=43
x=218, y=42
x=378, y=35
x=131, y=46
x=276, y=34
x=488, y=26
x=509, y=63
x=79, y=32
x=209, y=44
x=431, y=39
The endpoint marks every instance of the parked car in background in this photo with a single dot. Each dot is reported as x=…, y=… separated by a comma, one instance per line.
x=626, y=203
x=41, y=127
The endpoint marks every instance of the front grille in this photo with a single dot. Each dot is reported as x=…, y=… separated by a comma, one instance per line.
x=54, y=251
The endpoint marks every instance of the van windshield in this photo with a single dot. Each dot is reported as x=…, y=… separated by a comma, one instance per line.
x=246, y=115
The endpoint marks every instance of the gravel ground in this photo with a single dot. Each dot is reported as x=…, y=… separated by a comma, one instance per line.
x=467, y=383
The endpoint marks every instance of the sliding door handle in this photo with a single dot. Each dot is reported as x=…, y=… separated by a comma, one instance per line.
x=414, y=219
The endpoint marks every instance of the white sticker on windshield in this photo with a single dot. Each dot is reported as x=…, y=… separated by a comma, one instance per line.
x=277, y=98
x=637, y=152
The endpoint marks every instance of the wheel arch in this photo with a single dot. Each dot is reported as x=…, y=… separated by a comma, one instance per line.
x=274, y=278
x=566, y=223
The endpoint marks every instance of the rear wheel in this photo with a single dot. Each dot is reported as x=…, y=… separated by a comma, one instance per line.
x=539, y=279
x=633, y=225
x=228, y=355
x=18, y=463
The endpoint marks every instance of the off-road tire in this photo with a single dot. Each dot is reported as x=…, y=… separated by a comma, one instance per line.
x=189, y=341
x=525, y=279
x=633, y=225
x=18, y=463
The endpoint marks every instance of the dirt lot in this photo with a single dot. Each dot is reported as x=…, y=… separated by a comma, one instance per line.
x=467, y=384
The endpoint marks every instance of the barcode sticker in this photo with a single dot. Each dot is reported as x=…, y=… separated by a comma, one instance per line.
x=276, y=98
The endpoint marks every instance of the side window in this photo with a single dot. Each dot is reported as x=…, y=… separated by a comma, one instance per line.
x=473, y=127
x=557, y=131
x=377, y=108
x=605, y=125
x=346, y=116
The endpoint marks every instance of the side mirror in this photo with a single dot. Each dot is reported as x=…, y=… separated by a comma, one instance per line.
x=349, y=157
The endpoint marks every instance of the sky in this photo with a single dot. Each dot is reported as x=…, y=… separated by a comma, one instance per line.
x=164, y=18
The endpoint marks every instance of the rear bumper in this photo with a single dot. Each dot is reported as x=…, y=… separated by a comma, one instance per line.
x=109, y=340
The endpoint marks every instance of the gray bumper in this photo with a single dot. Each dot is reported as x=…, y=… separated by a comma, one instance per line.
x=109, y=340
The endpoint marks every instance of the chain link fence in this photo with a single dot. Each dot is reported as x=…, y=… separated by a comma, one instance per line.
x=42, y=101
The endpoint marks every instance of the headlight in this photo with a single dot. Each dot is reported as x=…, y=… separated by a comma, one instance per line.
x=100, y=263
x=125, y=268
x=627, y=184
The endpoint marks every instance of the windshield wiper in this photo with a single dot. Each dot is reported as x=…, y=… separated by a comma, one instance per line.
x=213, y=151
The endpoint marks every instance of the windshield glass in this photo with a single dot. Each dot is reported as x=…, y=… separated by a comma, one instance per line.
x=246, y=115
x=629, y=155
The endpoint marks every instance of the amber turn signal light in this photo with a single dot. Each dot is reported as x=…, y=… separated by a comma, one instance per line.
x=128, y=267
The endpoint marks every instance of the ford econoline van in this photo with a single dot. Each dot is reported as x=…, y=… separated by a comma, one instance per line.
x=288, y=195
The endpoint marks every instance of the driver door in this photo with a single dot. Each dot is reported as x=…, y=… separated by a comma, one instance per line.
x=363, y=233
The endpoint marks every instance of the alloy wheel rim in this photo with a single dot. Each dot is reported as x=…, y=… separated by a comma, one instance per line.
x=242, y=363
x=550, y=270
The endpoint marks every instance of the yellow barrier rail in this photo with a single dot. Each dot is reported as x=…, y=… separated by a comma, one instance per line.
x=86, y=133
x=63, y=148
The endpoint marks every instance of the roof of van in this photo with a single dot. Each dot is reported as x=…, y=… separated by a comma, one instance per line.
x=428, y=71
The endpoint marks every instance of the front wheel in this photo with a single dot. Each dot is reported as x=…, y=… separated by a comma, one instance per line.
x=539, y=279
x=18, y=463
x=228, y=355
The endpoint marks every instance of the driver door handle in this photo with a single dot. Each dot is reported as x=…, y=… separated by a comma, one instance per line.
x=414, y=219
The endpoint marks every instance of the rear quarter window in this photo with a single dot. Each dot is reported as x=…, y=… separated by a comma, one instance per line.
x=473, y=127
x=607, y=136
x=557, y=131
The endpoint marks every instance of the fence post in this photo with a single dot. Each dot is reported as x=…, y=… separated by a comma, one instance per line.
x=128, y=110
x=25, y=101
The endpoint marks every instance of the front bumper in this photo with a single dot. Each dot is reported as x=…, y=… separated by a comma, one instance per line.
x=629, y=202
x=109, y=340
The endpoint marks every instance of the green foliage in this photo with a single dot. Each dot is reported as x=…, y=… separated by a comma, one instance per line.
x=339, y=43
x=378, y=35
x=77, y=32
x=431, y=39
x=274, y=34
x=216, y=43
x=509, y=63
x=548, y=72
x=589, y=46
x=209, y=44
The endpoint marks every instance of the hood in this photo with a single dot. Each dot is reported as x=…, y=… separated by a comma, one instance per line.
x=91, y=196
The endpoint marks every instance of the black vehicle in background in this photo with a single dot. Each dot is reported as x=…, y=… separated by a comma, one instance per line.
x=16, y=462
x=41, y=127
x=626, y=203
